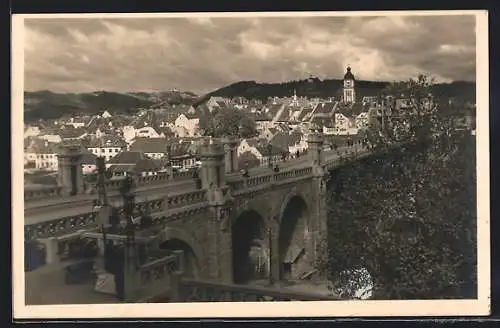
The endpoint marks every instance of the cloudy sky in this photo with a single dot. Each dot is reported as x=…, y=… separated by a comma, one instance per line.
x=202, y=54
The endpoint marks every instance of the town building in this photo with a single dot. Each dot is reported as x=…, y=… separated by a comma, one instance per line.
x=133, y=163
x=107, y=146
x=41, y=155
x=264, y=151
x=190, y=123
x=154, y=148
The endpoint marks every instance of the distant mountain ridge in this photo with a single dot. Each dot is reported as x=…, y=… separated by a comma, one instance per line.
x=50, y=105
x=314, y=87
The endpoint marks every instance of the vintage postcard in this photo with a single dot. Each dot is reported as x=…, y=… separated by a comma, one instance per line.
x=309, y=164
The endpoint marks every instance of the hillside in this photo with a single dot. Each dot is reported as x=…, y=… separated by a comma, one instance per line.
x=50, y=105
x=314, y=87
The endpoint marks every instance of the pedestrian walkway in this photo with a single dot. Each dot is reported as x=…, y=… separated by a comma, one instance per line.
x=47, y=286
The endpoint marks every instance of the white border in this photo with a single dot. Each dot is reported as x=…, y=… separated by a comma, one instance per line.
x=481, y=306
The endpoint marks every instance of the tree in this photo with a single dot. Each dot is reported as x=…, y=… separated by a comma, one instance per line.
x=228, y=122
x=408, y=215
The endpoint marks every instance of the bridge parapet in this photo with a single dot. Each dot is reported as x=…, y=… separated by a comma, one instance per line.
x=294, y=173
x=240, y=184
x=187, y=198
x=160, y=177
x=73, y=223
x=191, y=290
x=53, y=192
x=60, y=226
x=153, y=278
x=259, y=180
x=43, y=192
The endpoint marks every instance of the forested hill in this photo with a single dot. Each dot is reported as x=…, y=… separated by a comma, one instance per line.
x=314, y=87
x=50, y=105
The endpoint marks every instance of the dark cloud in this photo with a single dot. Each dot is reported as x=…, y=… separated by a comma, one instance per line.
x=202, y=53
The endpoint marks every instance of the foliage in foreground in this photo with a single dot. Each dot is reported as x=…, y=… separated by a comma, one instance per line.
x=408, y=216
x=228, y=122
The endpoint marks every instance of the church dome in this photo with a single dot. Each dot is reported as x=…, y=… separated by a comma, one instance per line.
x=348, y=75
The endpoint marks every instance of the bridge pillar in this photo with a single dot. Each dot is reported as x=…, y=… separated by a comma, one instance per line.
x=231, y=155
x=318, y=216
x=131, y=275
x=273, y=245
x=218, y=250
x=315, y=142
x=70, y=175
x=51, y=250
x=212, y=165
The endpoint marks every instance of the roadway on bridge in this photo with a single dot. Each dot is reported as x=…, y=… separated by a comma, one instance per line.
x=148, y=192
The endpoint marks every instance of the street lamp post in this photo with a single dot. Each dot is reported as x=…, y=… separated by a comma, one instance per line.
x=270, y=255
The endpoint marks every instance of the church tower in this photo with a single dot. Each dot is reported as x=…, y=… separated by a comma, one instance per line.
x=349, y=92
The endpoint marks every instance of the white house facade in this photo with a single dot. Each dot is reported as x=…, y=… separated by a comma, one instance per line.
x=54, y=138
x=191, y=125
x=345, y=125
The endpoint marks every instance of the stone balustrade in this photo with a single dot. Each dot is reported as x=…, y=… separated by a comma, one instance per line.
x=43, y=192
x=71, y=224
x=185, y=199
x=191, y=290
x=62, y=226
x=285, y=175
x=259, y=180
x=159, y=177
x=111, y=184
x=155, y=281
x=154, y=278
x=185, y=175
x=152, y=205
x=156, y=269
x=166, y=178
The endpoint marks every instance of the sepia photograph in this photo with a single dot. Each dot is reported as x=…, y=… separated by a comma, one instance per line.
x=250, y=164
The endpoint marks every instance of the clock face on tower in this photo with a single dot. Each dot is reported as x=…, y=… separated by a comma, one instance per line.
x=348, y=83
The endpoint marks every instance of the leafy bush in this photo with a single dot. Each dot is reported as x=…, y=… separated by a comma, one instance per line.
x=408, y=215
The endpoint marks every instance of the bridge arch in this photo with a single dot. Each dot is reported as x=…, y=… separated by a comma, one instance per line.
x=178, y=239
x=293, y=235
x=248, y=243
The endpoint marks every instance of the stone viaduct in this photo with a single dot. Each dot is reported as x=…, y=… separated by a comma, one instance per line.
x=283, y=211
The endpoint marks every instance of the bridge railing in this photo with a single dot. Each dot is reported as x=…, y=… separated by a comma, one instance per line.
x=43, y=192
x=154, y=279
x=159, y=177
x=111, y=184
x=242, y=184
x=73, y=223
x=293, y=173
x=190, y=290
x=61, y=226
x=186, y=198
x=292, y=169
